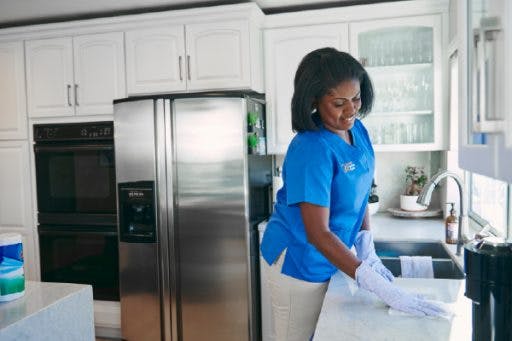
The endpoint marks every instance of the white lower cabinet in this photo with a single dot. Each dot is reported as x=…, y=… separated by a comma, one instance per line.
x=16, y=200
x=284, y=49
x=13, y=115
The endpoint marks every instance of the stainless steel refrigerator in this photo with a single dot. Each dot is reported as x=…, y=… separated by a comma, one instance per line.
x=193, y=182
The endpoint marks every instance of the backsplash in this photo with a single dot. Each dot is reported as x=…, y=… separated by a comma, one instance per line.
x=390, y=175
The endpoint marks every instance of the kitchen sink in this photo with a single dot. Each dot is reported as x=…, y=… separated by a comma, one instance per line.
x=443, y=262
x=443, y=268
x=435, y=249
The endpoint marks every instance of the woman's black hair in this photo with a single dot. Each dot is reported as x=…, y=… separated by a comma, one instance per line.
x=320, y=71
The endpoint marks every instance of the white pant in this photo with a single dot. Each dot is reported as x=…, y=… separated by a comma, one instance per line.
x=296, y=304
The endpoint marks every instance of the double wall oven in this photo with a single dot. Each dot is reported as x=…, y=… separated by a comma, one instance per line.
x=76, y=199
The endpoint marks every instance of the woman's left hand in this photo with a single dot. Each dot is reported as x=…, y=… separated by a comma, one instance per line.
x=365, y=250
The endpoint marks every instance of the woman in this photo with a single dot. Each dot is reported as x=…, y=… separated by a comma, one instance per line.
x=321, y=210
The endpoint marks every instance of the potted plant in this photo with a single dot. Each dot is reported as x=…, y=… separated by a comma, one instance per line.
x=415, y=179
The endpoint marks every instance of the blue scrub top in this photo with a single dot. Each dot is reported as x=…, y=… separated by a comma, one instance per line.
x=322, y=169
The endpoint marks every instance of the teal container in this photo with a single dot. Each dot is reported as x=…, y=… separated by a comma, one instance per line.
x=12, y=276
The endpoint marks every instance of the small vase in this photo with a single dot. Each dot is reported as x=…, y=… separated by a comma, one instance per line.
x=408, y=203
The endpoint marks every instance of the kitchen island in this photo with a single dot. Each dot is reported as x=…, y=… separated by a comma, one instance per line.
x=350, y=313
x=49, y=311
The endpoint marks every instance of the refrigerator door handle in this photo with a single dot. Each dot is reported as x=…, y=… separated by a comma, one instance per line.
x=166, y=218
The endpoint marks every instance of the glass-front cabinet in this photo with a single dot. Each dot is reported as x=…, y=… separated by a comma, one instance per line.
x=485, y=119
x=404, y=59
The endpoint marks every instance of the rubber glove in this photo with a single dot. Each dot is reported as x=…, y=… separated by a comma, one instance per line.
x=365, y=250
x=395, y=297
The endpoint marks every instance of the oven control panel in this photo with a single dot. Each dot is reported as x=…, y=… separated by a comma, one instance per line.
x=74, y=131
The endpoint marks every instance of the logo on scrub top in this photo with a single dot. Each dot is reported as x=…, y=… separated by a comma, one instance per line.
x=348, y=166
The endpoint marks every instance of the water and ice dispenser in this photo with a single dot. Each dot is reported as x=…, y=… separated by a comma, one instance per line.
x=488, y=266
x=137, y=212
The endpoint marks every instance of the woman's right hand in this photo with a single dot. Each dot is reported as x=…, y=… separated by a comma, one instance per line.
x=365, y=249
x=394, y=296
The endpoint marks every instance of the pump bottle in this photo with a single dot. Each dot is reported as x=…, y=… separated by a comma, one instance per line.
x=452, y=226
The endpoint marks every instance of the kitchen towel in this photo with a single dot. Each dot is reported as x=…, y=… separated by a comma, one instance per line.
x=12, y=276
x=417, y=266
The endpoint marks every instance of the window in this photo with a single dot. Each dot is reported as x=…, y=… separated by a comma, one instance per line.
x=490, y=199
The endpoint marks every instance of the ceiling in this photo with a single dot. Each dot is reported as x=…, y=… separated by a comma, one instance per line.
x=24, y=12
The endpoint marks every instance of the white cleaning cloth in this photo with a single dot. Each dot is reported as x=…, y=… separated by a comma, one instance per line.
x=417, y=266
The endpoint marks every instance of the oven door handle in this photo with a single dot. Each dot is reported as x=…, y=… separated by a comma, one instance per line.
x=63, y=149
x=49, y=232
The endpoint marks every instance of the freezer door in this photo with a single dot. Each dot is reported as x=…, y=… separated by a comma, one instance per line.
x=211, y=225
x=139, y=282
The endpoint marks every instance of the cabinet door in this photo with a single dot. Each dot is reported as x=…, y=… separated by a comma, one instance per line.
x=218, y=55
x=485, y=78
x=404, y=59
x=99, y=72
x=49, y=64
x=155, y=60
x=13, y=119
x=284, y=49
x=15, y=198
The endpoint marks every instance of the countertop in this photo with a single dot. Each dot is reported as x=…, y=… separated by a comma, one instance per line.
x=49, y=311
x=349, y=313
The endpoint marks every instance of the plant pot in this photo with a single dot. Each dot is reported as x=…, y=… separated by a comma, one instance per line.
x=373, y=207
x=408, y=203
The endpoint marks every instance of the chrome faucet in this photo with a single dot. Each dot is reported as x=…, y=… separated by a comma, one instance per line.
x=426, y=195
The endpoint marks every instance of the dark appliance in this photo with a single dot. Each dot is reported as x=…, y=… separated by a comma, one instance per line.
x=488, y=264
x=76, y=200
x=194, y=182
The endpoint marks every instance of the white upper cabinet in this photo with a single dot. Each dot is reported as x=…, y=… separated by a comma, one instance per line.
x=13, y=119
x=80, y=75
x=403, y=57
x=485, y=87
x=200, y=56
x=218, y=55
x=99, y=72
x=155, y=60
x=284, y=49
x=49, y=65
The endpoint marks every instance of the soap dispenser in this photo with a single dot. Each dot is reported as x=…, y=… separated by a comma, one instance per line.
x=452, y=226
